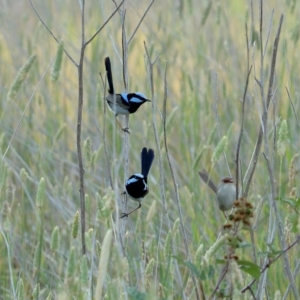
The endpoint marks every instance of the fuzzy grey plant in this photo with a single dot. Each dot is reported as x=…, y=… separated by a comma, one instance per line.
x=58, y=62
x=21, y=76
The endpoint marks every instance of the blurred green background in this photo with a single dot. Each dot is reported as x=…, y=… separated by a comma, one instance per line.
x=203, y=44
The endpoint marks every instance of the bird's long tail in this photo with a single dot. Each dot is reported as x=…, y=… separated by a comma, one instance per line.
x=205, y=177
x=147, y=157
x=109, y=76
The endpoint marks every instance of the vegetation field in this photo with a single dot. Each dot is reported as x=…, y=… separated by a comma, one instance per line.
x=223, y=80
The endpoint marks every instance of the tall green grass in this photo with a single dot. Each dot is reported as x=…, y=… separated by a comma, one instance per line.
x=204, y=46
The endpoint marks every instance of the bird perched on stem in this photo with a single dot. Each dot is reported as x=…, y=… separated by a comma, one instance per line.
x=225, y=191
x=136, y=185
x=124, y=103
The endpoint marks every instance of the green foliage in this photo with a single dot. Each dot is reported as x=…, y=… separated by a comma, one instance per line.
x=41, y=193
x=75, y=226
x=206, y=13
x=59, y=133
x=71, y=266
x=84, y=271
x=167, y=247
x=250, y=268
x=136, y=295
x=55, y=239
x=49, y=297
x=36, y=292
x=88, y=237
x=20, y=290
x=282, y=138
x=87, y=151
x=294, y=203
x=255, y=38
x=23, y=175
x=21, y=76
x=271, y=253
x=56, y=70
x=220, y=149
x=37, y=258
x=103, y=263
x=203, y=45
x=149, y=272
x=200, y=271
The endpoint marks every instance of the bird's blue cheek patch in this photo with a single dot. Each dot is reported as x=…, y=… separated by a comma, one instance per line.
x=136, y=100
x=124, y=96
x=135, y=178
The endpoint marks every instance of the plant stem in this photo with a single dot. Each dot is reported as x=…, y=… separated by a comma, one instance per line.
x=79, y=122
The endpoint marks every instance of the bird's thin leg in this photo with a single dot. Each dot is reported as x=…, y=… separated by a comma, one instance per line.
x=225, y=215
x=124, y=129
x=127, y=214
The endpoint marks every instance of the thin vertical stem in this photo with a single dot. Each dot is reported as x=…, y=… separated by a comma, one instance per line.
x=126, y=134
x=79, y=122
x=241, y=134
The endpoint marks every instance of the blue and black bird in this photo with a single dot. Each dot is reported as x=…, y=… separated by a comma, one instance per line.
x=122, y=104
x=136, y=185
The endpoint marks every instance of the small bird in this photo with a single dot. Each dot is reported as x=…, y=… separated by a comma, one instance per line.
x=226, y=190
x=122, y=104
x=136, y=185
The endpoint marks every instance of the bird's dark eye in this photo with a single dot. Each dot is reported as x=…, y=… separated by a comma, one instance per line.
x=228, y=180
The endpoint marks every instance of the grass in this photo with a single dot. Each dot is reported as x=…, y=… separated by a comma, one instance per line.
x=204, y=46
